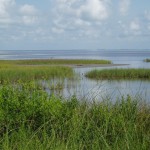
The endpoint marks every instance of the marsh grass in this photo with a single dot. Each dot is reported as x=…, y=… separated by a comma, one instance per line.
x=25, y=70
x=147, y=60
x=54, y=62
x=117, y=74
x=12, y=73
x=32, y=119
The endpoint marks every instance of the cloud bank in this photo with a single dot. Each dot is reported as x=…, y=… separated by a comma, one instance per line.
x=96, y=22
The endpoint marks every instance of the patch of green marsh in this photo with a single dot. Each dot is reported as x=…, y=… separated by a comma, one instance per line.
x=31, y=119
x=14, y=73
x=55, y=62
x=119, y=74
x=147, y=60
x=25, y=70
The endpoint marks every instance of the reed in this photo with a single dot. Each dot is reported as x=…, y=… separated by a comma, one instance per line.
x=13, y=73
x=117, y=74
x=32, y=119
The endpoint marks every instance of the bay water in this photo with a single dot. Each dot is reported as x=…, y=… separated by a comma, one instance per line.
x=89, y=89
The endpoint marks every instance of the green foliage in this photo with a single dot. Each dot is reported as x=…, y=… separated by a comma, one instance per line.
x=119, y=74
x=32, y=119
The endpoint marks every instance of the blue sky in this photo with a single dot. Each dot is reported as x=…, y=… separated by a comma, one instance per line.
x=74, y=24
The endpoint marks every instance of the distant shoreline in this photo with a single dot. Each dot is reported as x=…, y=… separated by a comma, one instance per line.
x=96, y=65
x=80, y=65
x=74, y=63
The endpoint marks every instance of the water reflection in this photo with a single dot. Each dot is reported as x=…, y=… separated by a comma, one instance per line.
x=91, y=90
x=87, y=89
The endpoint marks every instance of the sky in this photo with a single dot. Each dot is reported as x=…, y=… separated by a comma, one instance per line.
x=74, y=24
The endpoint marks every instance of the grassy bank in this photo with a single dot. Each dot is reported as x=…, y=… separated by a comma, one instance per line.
x=31, y=119
x=147, y=60
x=119, y=74
x=54, y=62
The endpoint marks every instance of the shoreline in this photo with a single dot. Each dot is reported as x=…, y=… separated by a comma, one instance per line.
x=81, y=65
x=96, y=65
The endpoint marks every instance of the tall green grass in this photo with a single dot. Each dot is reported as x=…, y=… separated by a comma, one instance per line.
x=32, y=119
x=25, y=70
x=119, y=74
x=12, y=73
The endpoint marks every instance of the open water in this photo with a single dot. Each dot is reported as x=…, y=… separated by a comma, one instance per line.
x=90, y=89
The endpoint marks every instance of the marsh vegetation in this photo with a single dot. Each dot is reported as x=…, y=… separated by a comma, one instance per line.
x=117, y=74
x=31, y=118
x=28, y=73
x=147, y=60
x=26, y=70
x=54, y=62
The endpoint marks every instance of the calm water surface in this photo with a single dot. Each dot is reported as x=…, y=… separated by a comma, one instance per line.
x=90, y=89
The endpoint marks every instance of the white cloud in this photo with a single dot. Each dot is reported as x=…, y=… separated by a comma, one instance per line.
x=87, y=10
x=28, y=10
x=5, y=20
x=78, y=17
x=124, y=6
x=57, y=30
x=134, y=25
x=29, y=20
x=9, y=13
x=82, y=23
x=132, y=29
x=129, y=29
x=94, y=9
x=5, y=7
x=29, y=14
x=86, y=20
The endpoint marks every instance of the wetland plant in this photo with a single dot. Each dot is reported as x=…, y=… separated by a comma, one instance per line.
x=32, y=119
x=29, y=73
x=117, y=74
